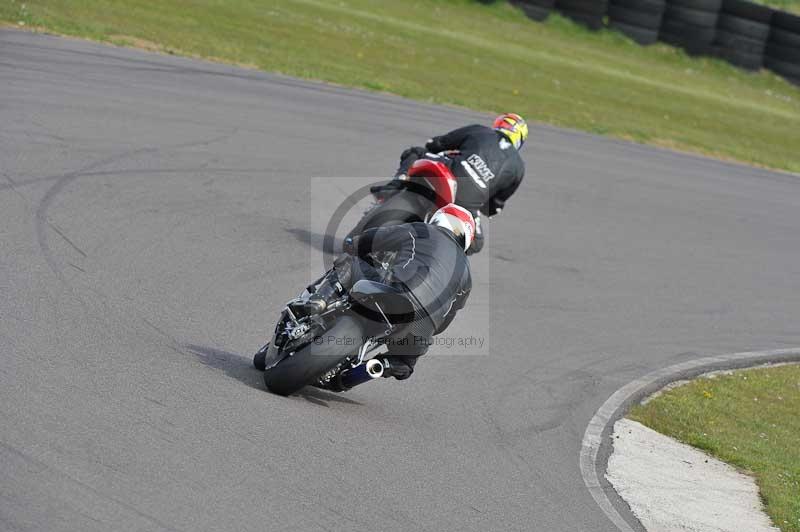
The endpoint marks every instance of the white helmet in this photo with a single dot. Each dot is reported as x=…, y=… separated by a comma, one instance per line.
x=458, y=221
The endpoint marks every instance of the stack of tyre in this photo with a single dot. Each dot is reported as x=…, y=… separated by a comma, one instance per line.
x=590, y=13
x=638, y=19
x=742, y=31
x=535, y=9
x=690, y=24
x=783, y=47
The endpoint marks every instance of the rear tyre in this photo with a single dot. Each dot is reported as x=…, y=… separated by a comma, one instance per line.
x=259, y=360
x=312, y=361
x=404, y=206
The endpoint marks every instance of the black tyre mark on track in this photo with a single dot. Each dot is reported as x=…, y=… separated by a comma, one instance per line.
x=64, y=180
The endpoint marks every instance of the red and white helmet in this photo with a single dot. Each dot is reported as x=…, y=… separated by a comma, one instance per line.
x=458, y=221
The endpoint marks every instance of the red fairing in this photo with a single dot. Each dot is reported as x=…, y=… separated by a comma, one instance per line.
x=438, y=176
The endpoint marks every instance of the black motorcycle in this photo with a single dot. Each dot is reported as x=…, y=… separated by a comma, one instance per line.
x=337, y=348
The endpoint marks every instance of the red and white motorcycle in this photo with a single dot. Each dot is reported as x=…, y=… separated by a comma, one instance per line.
x=429, y=185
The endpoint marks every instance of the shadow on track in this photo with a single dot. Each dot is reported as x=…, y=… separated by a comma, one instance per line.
x=235, y=366
x=321, y=397
x=241, y=369
x=315, y=240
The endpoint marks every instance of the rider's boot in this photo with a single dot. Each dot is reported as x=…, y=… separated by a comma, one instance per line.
x=317, y=302
x=397, y=367
x=382, y=192
x=308, y=307
x=388, y=366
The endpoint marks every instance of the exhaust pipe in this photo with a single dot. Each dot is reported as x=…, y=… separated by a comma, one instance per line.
x=371, y=369
x=374, y=368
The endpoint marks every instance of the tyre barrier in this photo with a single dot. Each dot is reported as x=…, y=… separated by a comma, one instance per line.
x=742, y=31
x=690, y=24
x=638, y=19
x=782, y=53
x=590, y=13
x=746, y=34
x=535, y=9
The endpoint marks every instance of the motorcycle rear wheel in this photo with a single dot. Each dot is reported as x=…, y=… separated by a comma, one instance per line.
x=260, y=358
x=312, y=361
x=403, y=206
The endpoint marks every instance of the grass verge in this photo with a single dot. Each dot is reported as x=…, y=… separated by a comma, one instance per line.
x=486, y=56
x=750, y=419
x=792, y=6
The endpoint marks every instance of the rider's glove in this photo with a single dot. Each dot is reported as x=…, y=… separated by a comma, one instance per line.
x=348, y=246
x=493, y=207
x=434, y=146
x=418, y=151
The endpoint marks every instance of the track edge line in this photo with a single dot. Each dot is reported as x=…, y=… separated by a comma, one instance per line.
x=596, y=445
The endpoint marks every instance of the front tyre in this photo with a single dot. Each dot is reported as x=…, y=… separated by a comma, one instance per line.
x=315, y=359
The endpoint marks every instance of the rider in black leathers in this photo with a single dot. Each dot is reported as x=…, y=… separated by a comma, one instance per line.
x=427, y=263
x=430, y=265
x=485, y=161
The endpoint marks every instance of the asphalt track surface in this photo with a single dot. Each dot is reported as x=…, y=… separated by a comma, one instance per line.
x=154, y=217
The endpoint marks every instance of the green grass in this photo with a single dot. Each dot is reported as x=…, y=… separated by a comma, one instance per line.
x=792, y=6
x=750, y=419
x=486, y=57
